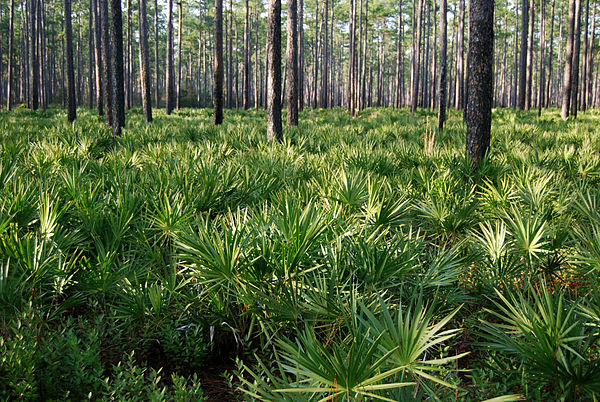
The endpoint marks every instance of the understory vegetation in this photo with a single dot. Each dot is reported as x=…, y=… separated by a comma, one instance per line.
x=360, y=259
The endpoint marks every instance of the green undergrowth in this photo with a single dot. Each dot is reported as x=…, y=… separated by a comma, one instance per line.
x=349, y=262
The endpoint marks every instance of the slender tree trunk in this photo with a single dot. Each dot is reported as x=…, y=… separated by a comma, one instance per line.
x=98, y=56
x=576, y=51
x=170, y=67
x=247, y=53
x=106, y=57
x=300, y=55
x=218, y=71
x=399, y=57
x=590, y=59
x=460, y=58
x=416, y=57
x=581, y=94
x=34, y=80
x=11, y=31
x=118, y=95
x=274, y=127
x=230, y=56
x=351, y=61
x=257, y=83
x=145, y=62
x=128, y=60
x=179, y=46
x=156, y=59
x=480, y=65
x=529, y=72
x=523, y=54
x=442, y=81
x=324, y=95
x=363, y=68
x=551, y=48
x=567, y=79
x=71, y=112
x=90, y=55
x=292, y=64
x=542, y=56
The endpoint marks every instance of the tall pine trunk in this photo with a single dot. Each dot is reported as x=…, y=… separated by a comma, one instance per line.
x=523, y=54
x=230, y=56
x=170, y=67
x=300, y=55
x=416, y=57
x=90, y=55
x=549, y=73
x=529, y=72
x=34, y=78
x=460, y=58
x=480, y=61
x=576, y=51
x=247, y=52
x=218, y=70
x=442, y=81
x=98, y=56
x=292, y=63
x=274, y=126
x=118, y=94
x=542, y=56
x=11, y=32
x=106, y=65
x=567, y=80
x=156, y=59
x=145, y=62
x=588, y=90
x=399, y=59
x=71, y=112
x=179, y=46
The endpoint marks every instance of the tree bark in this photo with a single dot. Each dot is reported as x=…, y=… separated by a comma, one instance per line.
x=33, y=57
x=145, y=62
x=118, y=95
x=351, y=58
x=98, y=56
x=218, y=72
x=247, y=64
x=460, y=58
x=576, y=51
x=179, y=27
x=588, y=90
x=274, y=126
x=523, y=54
x=566, y=97
x=480, y=65
x=230, y=56
x=324, y=95
x=399, y=59
x=542, y=56
x=90, y=54
x=549, y=73
x=156, y=60
x=128, y=60
x=529, y=72
x=292, y=64
x=170, y=62
x=11, y=32
x=442, y=81
x=106, y=65
x=581, y=93
x=71, y=111
x=416, y=57
x=300, y=55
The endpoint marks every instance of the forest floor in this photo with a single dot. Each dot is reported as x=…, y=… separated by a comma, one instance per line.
x=360, y=257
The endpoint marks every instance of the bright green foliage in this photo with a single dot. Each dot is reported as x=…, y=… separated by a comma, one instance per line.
x=342, y=263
